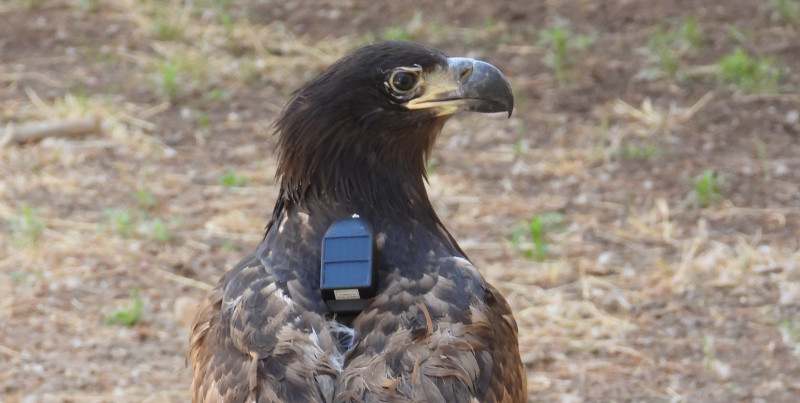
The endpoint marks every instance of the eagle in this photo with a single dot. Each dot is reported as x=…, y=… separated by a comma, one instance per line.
x=354, y=142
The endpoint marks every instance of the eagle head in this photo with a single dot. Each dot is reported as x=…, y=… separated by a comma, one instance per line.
x=377, y=112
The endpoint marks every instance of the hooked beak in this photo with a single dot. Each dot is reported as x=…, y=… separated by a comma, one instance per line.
x=465, y=85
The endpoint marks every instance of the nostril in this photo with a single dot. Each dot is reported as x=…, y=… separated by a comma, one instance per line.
x=461, y=69
x=466, y=73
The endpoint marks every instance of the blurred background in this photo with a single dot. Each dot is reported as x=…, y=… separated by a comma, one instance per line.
x=640, y=209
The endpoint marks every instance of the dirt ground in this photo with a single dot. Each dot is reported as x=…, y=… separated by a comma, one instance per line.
x=640, y=285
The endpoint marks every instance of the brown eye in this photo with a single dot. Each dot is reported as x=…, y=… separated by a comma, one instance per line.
x=403, y=81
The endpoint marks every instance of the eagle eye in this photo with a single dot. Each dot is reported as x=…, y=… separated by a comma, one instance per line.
x=403, y=81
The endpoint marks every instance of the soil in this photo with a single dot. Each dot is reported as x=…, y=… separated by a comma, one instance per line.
x=639, y=293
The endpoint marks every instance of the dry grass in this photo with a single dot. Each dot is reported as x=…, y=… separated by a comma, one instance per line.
x=641, y=295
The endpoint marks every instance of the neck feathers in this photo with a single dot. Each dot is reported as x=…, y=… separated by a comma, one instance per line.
x=361, y=163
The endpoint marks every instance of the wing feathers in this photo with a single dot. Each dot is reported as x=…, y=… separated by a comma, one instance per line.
x=248, y=343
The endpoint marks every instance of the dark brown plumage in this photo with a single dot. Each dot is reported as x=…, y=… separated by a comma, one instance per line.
x=355, y=141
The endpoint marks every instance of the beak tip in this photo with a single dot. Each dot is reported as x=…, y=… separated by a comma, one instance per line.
x=487, y=86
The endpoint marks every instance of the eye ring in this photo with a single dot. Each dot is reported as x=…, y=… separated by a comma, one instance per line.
x=403, y=81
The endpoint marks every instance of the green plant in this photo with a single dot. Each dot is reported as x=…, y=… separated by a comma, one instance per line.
x=748, y=73
x=521, y=148
x=562, y=45
x=227, y=26
x=35, y=3
x=166, y=30
x=531, y=239
x=16, y=277
x=129, y=315
x=536, y=228
x=121, y=222
x=737, y=35
x=187, y=69
x=690, y=34
x=145, y=199
x=218, y=95
x=203, y=120
x=158, y=231
x=89, y=6
x=660, y=46
x=667, y=48
x=786, y=11
x=26, y=227
x=231, y=179
x=637, y=152
x=170, y=80
x=166, y=23
x=403, y=32
x=396, y=34
x=707, y=188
